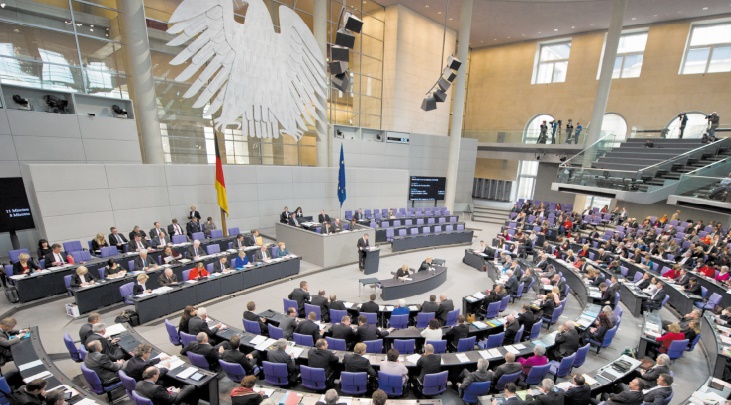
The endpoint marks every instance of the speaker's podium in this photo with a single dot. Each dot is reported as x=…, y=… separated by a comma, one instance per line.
x=372, y=257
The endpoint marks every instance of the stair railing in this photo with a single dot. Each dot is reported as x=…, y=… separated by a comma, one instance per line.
x=697, y=153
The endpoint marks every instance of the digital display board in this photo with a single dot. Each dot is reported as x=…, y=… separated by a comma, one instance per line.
x=427, y=188
x=14, y=206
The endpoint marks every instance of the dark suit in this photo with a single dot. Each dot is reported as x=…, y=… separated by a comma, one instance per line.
x=193, y=252
x=205, y=350
x=154, y=232
x=424, y=266
x=281, y=356
x=550, y=398
x=197, y=325
x=301, y=296
x=193, y=227
x=233, y=355
x=510, y=332
x=284, y=217
x=566, y=343
x=219, y=267
x=323, y=218
x=514, y=401
x=369, y=307
x=50, y=258
x=250, y=316
x=287, y=326
x=362, y=245
x=104, y=367
x=337, y=304
x=140, y=264
x=457, y=332
x=307, y=327
x=650, y=377
x=354, y=363
x=444, y=307
x=321, y=302
x=113, y=351
x=84, y=333
x=512, y=285
x=156, y=242
x=138, y=288
x=18, y=268
x=141, y=232
x=368, y=331
x=429, y=306
x=657, y=395
x=626, y=397
x=526, y=319
x=133, y=245
x=159, y=395
x=173, y=231
x=76, y=279
x=580, y=395
x=345, y=332
x=325, y=359
x=656, y=300
x=136, y=366
x=163, y=281
x=429, y=364
x=115, y=240
x=507, y=368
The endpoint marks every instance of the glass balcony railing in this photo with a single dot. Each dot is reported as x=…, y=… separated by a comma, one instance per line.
x=522, y=136
x=706, y=182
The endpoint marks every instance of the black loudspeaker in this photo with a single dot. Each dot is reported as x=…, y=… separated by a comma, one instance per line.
x=341, y=81
x=440, y=95
x=429, y=103
x=339, y=67
x=353, y=23
x=449, y=74
x=453, y=63
x=339, y=53
x=345, y=38
x=443, y=84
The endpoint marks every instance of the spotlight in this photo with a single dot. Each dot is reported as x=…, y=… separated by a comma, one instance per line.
x=449, y=74
x=337, y=68
x=119, y=110
x=439, y=95
x=339, y=53
x=429, y=103
x=341, y=81
x=453, y=63
x=344, y=38
x=378, y=137
x=353, y=23
x=55, y=104
x=563, y=158
x=339, y=133
x=23, y=102
x=443, y=84
x=538, y=157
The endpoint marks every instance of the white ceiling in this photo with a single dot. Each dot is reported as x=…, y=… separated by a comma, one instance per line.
x=497, y=22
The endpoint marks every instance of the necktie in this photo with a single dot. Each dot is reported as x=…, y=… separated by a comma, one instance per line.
x=144, y=263
x=119, y=239
x=58, y=258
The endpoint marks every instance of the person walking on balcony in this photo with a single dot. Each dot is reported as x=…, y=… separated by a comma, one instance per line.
x=683, y=122
x=569, y=131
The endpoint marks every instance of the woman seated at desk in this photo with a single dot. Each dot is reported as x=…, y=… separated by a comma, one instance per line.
x=24, y=265
x=281, y=250
x=198, y=272
x=114, y=270
x=723, y=275
x=139, y=287
x=600, y=328
x=98, y=243
x=391, y=214
x=169, y=255
x=43, y=249
x=82, y=278
x=433, y=331
x=547, y=306
x=672, y=334
x=241, y=260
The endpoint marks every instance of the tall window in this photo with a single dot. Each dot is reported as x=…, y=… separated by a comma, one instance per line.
x=533, y=129
x=694, y=128
x=527, y=173
x=708, y=50
x=629, y=55
x=552, y=62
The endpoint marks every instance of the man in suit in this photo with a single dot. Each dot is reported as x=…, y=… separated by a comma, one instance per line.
x=566, y=342
x=279, y=355
x=358, y=363
x=140, y=361
x=548, y=394
x=543, y=262
x=510, y=367
x=323, y=217
x=656, y=300
x=558, y=282
x=198, y=324
x=650, y=377
x=193, y=227
x=55, y=257
x=302, y=296
x=426, y=264
x=239, y=243
x=362, y=251
x=167, y=278
x=370, y=307
x=158, y=394
x=202, y=347
x=138, y=244
x=335, y=303
x=250, y=315
x=482, y=374
x=234, y=355
x=692, y=288
x=445, y=305
x=631, y=394
x=261, y=254
x=367, y=331
x=457, y=332
x=115, y=239
x=221, y=265
x=33, y=393
x=327, y=229
x=526, y=318
x=108, y=347
x=358, y=215
x=511, y=329
x=288, y=323
x=510, y=396
x=325, y=359
x=160, y=240
x=86, y=329
x=579, y=393
x=103, y=365
x=321, y=301
x=144, y=263
x=336, y=226
x=137, y=231
x=156, y=229
x=657, y=394
x=309, y=327
x=344, y=331
x=431, y=305
x=429, y=363
x=284, y=216
x=195, y=250
x=175, y=228
x=511, y=286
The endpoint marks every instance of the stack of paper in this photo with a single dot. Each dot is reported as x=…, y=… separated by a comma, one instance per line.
x=479, y=295
x=86, y=401
x=265, y=344
x=590, y=380
x=462, y=358
x=512, y=349
x=257, y=339
x=413, y=308
x=297, y=351
x=413, y=358
x=494, y=352
x=348, y=305
x=115, y=329
x=188, y=372
x=484, y=354
x=479, y=325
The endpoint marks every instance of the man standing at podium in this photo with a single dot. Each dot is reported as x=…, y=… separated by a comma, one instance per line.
x=362, y=251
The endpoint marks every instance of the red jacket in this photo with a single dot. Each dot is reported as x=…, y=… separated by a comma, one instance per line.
x=195, y=274
x=668, y=338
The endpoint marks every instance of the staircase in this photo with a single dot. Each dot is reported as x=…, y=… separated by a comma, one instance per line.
x=491, y=215
x=674, y=174
x=632, y=155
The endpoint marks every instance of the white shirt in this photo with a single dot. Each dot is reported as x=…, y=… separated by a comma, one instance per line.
x=431, y=334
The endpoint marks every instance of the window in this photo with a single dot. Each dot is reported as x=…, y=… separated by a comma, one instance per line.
x=694, y=128
x=597, y=202
x=614, y=124
x=552, y=62
x=527, y=172
x=629, y=55
x=708, y=50
x=533, y=130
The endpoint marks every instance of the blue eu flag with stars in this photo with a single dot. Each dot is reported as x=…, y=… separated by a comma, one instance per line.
x=341, y=179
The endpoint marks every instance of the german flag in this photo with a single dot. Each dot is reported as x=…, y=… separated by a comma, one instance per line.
x=220, y=183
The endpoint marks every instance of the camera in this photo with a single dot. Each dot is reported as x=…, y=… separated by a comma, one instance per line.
x=20, y=100
x=119, y=110
x=55, y=104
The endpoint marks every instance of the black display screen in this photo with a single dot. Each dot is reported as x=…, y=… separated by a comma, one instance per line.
x=14, y=206
x=427, y=188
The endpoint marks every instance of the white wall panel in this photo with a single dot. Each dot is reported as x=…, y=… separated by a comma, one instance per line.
x=123, y=176
x=39, y=148
x=68, y=177
x=43, y=124
x=54, y=203
x=112, y=150
x=78, y=226
x=274, y=175
x=126, y=219
x=4, y=124
x=183, y=175
x=7, y=148
x=108, y=128
x=141, y=197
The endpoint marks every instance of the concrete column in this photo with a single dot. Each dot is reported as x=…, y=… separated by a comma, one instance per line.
x=324, y=139
x=605, y=73
x=140, y=83
x=460, y=92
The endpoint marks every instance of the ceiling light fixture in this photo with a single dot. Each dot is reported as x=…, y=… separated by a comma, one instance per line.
x=555, y=29
x=705, y=8
x=634, y=18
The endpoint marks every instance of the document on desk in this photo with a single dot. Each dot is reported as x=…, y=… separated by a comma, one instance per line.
x=389, y=308
x=470, y=299
x=348, y=305
x=42, y=375
x=590, y=380
x=257, y=339
x=485, y=354
x=479, y=295
x=188, y=372
x=162, y=290
x=413, y=358
x=115, y=329
x=494, y=353
x=512, y=349
x=30, y=365
x=519, y=346
x=175, y=362
x=265, y=344
x=86, y=401
x=297, y=351
x=462, y=358
x=413, y=308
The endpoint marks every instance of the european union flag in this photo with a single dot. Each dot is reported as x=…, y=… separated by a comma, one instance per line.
x=341, y=179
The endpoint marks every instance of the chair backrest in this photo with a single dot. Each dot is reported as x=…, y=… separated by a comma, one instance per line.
x=125, y=290
x=704, y=291
x=172, y=333
x=475, y=390
x=422, y=319
x=313, y=378
x=15, y=253
x=128, y=382
x=337, y=314
x=440, y=346
x=405, y=346
x=179, y=239
x=186, y=274
x=713, y=300
x=354, y=383
x=213, y=248
x=217, y=233
x=495, y=340
x=233, y=231
x=493, y=310
x=71, y=346
x=289, y=304
x=275, y=373
x=504, y=303
x=72, y=246
x=313, y=308
x=536, y=374
x=435, y=384
x=638, y=276
x=336, y=344
x=95, y=384
x=566, y=365
x=677, y=348
x=274, y=332
x=109, y=251
x=535, y=330
x=303, y=340
x=466, y=344
x=374, y=346
x=519, y=334
x=399, y=321
x=694, y=342
x=452, y=317
x=67, y=280
x=198, y=360
x=234, y=371
x=186, y=338
x=581, y=355
x=82, y=352
x=507, y=378
x=197, y=236
x=252, y=327
x=372, y=317
x=392, y=384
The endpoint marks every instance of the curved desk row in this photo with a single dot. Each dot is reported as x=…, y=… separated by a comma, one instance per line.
x=31, y=360
x=422, y=282
x=401, y=243
x=717, y=346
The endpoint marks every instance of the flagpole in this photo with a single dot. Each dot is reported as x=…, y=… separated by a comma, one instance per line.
x=223, y=222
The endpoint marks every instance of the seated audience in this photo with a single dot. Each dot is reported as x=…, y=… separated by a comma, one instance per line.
x=104, y=366
x=202, y=347
x=158, y=394
x=140, y=361
x=244, y=394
